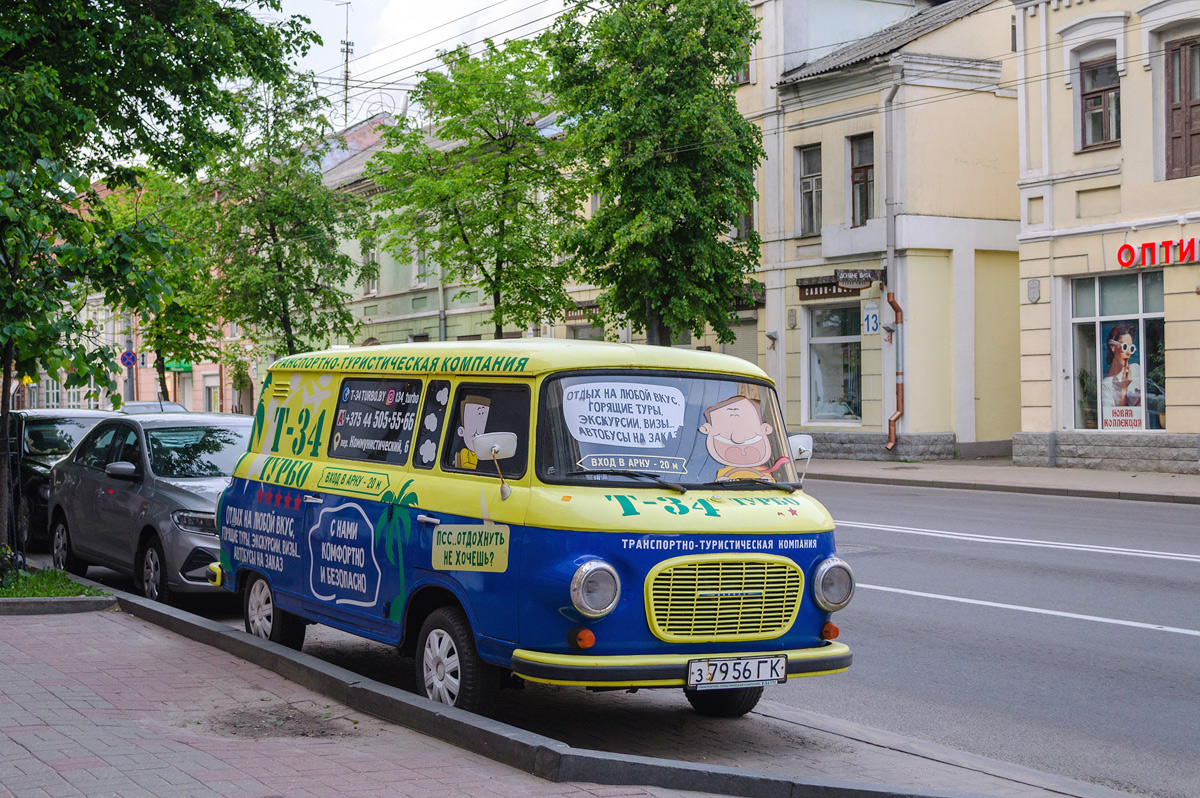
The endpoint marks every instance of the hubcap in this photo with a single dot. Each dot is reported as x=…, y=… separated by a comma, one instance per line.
x=151, y=573
x=60, y=547
x=440, y=668
x=260, y=609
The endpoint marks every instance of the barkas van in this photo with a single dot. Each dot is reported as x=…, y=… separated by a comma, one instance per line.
x=574, y=513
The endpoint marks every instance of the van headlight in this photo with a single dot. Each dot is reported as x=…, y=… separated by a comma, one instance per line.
x=833, y=585
x=595, y=589
x=189, y=521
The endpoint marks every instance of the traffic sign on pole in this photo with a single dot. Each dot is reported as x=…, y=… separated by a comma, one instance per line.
x=128, y=359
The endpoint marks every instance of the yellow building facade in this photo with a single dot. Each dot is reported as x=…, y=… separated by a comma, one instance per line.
x=1109, y=109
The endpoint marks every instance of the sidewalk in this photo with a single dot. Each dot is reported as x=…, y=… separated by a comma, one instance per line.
x=1002, y=475
x=102, y=703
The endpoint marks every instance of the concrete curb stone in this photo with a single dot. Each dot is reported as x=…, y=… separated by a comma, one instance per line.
x=55, y=605
x=525, y=751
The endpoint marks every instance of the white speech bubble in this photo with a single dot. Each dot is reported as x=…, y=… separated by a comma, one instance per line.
x=627, y=414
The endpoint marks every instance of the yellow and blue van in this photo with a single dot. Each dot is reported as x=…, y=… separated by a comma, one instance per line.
x=575, y=513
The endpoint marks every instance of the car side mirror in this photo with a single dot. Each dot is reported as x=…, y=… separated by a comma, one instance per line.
x=801, y=446
x=122, y=470
x=501, y=445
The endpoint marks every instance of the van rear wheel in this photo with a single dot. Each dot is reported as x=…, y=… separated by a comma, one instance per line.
x=265, y=620
x=732, y=703
x=449, y=669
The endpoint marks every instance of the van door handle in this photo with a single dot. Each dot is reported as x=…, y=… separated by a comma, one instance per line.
x=311, y=499
x=429, y=519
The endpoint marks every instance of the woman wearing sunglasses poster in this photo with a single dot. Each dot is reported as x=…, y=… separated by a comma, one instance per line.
x=1121, y=389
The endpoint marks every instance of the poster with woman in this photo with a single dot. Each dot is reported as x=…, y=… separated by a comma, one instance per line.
x=1122, y=386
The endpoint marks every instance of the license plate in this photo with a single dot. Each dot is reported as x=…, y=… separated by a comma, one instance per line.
x=718, y=674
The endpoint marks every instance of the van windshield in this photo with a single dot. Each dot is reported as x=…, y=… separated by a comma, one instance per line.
x=687, y=429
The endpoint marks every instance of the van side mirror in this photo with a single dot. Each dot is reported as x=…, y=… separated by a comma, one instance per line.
x=801, y=446
x=501, y=445
x=122, y=470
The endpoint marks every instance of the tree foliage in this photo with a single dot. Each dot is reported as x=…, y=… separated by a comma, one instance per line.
x=647, y=87
x=277, y=229
x=486, y=195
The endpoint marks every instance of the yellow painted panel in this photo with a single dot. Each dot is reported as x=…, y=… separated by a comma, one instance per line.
x=1035, y=394
x=1035, y=317
x=997, y=346
x=1035, y=342
x=1035, y=419
x=929, y=348
x=1183, y=419
x=1035, y=367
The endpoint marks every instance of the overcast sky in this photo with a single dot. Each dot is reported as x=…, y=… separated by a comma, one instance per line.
x=396, y=39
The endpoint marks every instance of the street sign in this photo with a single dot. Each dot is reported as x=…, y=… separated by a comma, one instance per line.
x=178, y=365
x=128, y=359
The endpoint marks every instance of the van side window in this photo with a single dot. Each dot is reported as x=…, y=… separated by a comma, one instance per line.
x=429, y=429
x=487, y=408
x=374, y=420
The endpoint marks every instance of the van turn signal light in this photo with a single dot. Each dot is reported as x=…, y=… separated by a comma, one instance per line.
x=829, y=631
x=581, y=637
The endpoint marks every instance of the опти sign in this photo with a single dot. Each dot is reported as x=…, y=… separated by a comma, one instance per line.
x=1159, y=253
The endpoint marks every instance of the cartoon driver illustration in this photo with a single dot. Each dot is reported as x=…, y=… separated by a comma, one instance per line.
x=474, y=414
x=737, y=438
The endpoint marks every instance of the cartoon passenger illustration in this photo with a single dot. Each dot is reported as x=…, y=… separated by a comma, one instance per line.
x=474, y=414
x=737, y=439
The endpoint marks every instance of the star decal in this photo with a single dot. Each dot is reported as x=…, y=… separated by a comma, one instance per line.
x=259, y=499
x=278, y=497
x=268, y=495
x=793, y=511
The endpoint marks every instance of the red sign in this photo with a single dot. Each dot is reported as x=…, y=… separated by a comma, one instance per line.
x=1161, y=253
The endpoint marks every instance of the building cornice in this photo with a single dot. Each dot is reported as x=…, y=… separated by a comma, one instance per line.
x=1112, y=227
x=1067, y=177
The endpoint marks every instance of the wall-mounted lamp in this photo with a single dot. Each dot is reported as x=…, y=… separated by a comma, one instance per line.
x=772, y=337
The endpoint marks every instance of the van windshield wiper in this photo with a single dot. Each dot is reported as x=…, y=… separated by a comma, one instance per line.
x=621, y=472
x=749, y=482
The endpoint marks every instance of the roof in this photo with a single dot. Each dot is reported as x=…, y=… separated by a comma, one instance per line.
x=888, y=40
x=155, y=420
x=63, y=412
x=525, y=357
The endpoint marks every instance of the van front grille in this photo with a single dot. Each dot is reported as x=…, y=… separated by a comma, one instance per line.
x=723, y=597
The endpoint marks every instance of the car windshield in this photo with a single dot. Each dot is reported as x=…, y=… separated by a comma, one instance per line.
x=55, y=436
x=196, y=451
x=690, y=430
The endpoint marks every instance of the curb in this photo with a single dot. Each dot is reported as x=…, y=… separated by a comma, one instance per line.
x=56, y=606
x=526, y=751
x=1001, y=487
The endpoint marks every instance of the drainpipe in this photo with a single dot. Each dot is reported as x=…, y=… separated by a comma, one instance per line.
x=890, y=206
x=441, y=298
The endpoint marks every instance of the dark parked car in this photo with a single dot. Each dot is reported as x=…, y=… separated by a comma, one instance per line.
x=139, y=495
x=152, y=406
x=40, y=438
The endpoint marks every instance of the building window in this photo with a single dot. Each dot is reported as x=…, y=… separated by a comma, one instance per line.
x=1183, y=108
x=1100, y=103
x=1119, y=352
x=862, y=178
x=743, y=75
x=52, y=391
x=810, y=190
x=420, y=269
x=835, y=364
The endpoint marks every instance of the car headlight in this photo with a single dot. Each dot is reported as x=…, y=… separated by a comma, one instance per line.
x=833, y=585
x=595, y=588
x=189, y=521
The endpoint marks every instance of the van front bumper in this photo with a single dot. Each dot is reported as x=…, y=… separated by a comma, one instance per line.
x=661, y=670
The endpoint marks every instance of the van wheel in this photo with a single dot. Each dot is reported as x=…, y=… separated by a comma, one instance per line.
x=64, y=556
x=265, y=620
x=449, y=669
x=731, y=703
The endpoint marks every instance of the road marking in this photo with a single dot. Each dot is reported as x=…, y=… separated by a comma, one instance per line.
x=1042, y=544
x=1156, y=627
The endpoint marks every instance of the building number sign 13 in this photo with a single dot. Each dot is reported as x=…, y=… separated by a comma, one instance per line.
x=870, y=318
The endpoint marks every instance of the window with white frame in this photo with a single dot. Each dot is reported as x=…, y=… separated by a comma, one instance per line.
x=1100, y=103
x=835, y=364
x=51, y=393
x=420, y=269
x=371, y=284
x=809, y=201
x=862, y=179
x=1119, y=352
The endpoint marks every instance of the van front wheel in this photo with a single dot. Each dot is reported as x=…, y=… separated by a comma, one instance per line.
x=732, y=703
x=265, y=620
x=449, y=669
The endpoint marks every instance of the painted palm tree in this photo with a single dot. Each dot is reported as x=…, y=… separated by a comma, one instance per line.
x=394, y=528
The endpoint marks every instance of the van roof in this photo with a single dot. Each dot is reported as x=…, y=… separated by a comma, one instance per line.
x=513, y=357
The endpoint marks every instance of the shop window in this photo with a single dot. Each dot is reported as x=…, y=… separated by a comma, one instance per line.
x=1119, y=352
x=1183, y=108
x=487, y=408
x=810, y=190
x=862, y=178
x=835, y=364
x=1100, y=103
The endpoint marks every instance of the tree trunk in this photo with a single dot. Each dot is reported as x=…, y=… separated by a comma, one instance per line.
x=657, y=333
x=160, y=366
x=496, y=304
x=6, y=498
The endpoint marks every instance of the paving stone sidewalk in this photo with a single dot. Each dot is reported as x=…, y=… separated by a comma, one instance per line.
x=103, y=703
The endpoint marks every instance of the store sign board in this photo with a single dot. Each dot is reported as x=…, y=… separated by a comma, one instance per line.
x=857, y=278
x=823, y=288
x=178, y=365
x=1159, y=253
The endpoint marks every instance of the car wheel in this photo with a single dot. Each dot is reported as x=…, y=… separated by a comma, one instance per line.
x=732, y=703
x=64, y=557
x=265, y=620
x=449, y=669
x=154, y=572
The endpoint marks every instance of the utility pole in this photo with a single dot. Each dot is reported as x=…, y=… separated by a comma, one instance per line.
x=347, y=49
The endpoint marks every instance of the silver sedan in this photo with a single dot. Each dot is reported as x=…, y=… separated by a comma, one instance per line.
x=139, y=495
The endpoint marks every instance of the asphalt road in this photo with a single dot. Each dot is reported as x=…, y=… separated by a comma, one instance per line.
x=1079, y=653
x=1055, y=633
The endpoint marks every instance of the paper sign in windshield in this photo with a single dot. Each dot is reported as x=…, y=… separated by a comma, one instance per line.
x=649, y=463
x=627, y=414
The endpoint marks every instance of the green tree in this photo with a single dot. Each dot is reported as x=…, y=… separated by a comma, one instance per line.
x=186, y=326
x=647, y=89
x=277, y=230
x=486, y=195
x=86, y=86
